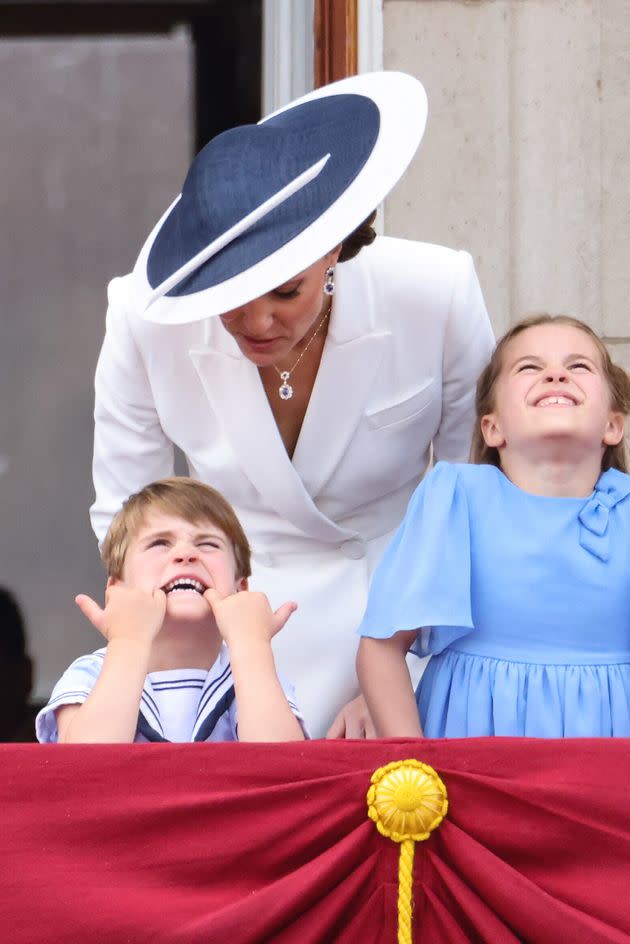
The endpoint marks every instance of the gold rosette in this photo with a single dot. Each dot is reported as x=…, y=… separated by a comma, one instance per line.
x=407, y=800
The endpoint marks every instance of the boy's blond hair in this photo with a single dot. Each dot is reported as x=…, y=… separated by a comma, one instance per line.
x=618, y=383
x=184, y=498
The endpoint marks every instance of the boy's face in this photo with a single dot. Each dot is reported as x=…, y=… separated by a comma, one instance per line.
x=183, y=559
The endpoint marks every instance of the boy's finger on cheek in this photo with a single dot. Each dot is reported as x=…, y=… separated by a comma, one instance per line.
x=212, y=597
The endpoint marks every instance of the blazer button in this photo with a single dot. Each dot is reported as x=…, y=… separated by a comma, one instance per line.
x=354, y=549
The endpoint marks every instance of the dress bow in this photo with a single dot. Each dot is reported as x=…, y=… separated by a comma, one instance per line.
x=611, y=488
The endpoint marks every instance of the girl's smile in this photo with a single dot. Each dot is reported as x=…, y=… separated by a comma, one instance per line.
x=556, y=399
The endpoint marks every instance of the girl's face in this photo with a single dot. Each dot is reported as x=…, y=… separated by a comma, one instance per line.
x=268, y=328
x=552, y=390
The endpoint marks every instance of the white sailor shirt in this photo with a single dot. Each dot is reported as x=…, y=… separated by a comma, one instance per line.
x=176, y=705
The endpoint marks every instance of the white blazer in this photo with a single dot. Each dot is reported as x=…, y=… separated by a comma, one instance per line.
x=408, y=336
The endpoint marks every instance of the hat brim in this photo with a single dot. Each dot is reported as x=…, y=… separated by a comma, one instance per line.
x=402, y=107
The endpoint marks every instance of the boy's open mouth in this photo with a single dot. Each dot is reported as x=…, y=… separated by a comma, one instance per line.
x=184, y=584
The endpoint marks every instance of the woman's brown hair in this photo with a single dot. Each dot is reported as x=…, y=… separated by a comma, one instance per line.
x=618, y=382
x=363, y=235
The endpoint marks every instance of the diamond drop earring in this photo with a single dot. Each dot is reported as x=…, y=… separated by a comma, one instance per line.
x=329, y=281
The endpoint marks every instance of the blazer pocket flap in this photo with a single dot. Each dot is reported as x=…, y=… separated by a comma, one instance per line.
x=404, y=410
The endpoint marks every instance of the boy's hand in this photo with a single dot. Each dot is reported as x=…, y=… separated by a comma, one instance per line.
x=247, y=614
x=129, y=613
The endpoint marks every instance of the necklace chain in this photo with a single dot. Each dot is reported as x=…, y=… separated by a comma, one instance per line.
x=285, y=389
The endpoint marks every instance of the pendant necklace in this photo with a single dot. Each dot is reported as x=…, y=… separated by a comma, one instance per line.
x=285, y=390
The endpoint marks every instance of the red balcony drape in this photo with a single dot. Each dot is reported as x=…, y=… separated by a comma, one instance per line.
x=242, y=843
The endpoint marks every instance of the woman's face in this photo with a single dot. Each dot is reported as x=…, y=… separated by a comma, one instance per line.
x=268, y=328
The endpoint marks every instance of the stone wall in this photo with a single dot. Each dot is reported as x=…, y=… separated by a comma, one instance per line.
x=97, y=133
x=526, y=158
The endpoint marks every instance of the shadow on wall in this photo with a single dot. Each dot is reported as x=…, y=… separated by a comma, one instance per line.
x=17, y=712
x=102, y=106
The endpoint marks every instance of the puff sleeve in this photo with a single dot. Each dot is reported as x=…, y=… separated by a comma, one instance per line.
x=423, y=579
x=73, y=688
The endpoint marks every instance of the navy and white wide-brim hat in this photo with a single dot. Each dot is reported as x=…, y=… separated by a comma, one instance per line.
x=262, y=202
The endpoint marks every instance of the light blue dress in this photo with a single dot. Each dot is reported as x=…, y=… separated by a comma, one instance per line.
x=523, y=601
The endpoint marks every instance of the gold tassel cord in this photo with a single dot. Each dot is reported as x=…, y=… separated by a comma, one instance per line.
x=405, y=890
x=407, y=800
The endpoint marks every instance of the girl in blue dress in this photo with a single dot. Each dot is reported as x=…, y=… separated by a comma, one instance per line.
x=514, y=573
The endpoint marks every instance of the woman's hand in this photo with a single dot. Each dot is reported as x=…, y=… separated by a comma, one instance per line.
x=353, y=721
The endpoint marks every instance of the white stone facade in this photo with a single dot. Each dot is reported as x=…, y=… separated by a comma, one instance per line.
x=526, y=157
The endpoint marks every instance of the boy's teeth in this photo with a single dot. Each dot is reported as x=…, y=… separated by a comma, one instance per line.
x=183, y=584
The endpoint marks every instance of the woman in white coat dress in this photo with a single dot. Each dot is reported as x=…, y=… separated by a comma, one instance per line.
x=313, y=401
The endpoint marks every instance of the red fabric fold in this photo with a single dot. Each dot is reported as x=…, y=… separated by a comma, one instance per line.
x=179, y=844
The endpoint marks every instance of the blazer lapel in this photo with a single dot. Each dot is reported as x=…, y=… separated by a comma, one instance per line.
x=352, y=356
x=237, y=397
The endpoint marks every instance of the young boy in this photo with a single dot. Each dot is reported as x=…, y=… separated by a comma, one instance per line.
x=188, y=654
